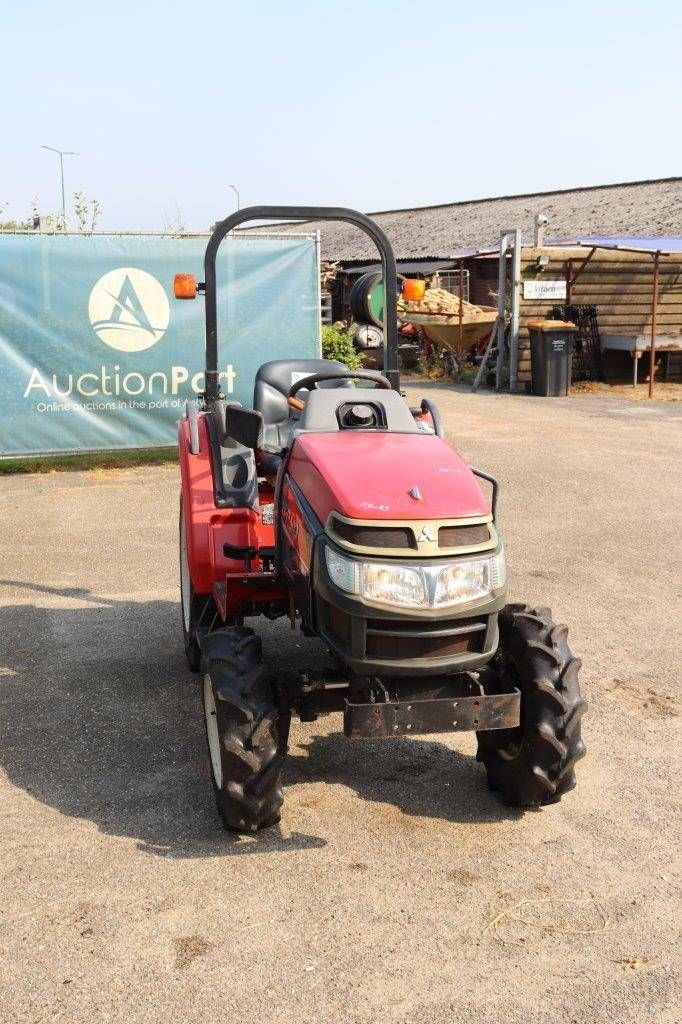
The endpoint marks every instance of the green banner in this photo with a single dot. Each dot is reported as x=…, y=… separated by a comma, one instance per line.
x=96, y=354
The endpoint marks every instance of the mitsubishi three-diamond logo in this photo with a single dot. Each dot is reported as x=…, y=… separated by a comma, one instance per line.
x=426, y=536
x=129, y=309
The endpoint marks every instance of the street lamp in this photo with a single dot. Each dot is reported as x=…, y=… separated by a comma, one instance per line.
x=62, y=153
x=234, y=189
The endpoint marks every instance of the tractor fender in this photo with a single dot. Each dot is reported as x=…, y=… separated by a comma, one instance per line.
x=198, y=502
x=215, y=532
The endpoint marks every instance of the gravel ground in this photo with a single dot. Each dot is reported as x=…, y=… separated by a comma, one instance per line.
x=397, y=888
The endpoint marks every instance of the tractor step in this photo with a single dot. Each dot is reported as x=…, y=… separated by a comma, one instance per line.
x=410, y=718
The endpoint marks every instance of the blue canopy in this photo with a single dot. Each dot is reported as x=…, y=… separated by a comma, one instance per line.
x=667, y=245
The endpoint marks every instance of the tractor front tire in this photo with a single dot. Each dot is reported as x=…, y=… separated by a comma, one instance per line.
x=534, y=763
x=246, y=733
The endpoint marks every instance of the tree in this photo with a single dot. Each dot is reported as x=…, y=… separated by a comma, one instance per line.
x=86, y=210
x=12, y=224
x=174, y=223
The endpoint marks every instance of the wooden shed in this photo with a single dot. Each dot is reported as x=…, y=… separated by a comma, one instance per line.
x=467, y=233
x=618, y=282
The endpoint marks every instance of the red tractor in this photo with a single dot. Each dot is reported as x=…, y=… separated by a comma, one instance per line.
x=334, y=503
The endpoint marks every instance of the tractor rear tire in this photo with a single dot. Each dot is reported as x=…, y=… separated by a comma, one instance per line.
x=534, y=763
x=195, y=608
x=246, y=733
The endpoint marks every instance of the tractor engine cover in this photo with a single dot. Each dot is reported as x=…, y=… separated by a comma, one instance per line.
x=377, y=475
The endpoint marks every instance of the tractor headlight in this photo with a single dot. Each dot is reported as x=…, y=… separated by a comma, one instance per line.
x=417, y=586
x=464, y=582
x=393, y=584
x=342, y=571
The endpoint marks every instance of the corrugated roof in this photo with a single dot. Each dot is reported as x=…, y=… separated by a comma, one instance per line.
x=640, y=208
x=404, y=266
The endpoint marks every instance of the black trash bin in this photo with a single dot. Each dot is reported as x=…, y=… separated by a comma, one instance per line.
x=551, y=352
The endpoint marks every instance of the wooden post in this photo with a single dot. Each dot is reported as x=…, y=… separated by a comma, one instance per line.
x=461, y=313
x=654, y=310
x=569, y=281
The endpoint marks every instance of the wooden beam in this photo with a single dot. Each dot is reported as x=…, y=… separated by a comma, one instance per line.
x=569, y=282
x=582, y=265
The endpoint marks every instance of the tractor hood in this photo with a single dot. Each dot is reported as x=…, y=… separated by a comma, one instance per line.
x=366, y=475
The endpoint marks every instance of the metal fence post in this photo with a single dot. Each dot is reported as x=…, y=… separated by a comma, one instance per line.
x=654, y=310
x=515, y=301
x=501, y=298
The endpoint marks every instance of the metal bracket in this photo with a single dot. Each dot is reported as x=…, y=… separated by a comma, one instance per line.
x=408, y=718
x=496, y=490
x=505, y=237
x=192, y=413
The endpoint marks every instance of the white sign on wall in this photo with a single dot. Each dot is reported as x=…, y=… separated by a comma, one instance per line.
x=544, y=289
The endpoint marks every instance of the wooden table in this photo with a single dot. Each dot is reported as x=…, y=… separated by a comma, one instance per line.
x=637, y=344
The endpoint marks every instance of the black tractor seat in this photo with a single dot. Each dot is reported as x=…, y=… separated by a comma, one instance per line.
x=273, y=383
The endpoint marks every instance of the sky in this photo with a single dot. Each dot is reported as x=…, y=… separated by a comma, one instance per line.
x=375, y=105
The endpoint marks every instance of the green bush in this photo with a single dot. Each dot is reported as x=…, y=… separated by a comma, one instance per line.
x=338, y=344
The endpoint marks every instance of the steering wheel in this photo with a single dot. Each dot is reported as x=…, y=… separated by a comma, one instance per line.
x=311, y=382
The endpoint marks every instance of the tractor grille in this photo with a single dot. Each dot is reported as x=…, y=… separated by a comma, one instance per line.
x=398, y=640
x=429, y=538
x=463, y=536
x=375, y=536
x=402, y=626
x=407, y=648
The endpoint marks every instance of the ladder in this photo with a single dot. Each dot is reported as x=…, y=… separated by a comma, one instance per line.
x=490, y=354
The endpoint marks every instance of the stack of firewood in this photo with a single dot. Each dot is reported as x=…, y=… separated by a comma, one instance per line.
x=437, y=300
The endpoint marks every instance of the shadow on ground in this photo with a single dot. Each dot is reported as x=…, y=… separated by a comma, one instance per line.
x=101, y=720
x=421, y=778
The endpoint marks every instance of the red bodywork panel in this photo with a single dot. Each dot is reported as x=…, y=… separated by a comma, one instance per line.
x=360, y=475
x=208, y=527
x=369, y=476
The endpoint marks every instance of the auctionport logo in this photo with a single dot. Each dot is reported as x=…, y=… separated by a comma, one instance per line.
x=129, y=309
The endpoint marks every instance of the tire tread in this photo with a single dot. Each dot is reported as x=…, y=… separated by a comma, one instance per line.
x=548, y=744
x=253, y=733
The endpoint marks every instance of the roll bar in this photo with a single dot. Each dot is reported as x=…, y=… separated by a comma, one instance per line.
x=388, y=267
